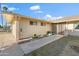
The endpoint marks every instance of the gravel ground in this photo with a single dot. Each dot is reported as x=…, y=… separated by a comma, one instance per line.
x=6, y=39
x=66, y=46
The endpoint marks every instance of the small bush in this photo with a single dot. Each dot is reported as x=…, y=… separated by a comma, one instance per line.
x=48, y=32
x=53, y=33
x=35, y=36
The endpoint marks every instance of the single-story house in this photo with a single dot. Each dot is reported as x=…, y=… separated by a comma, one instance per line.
x=24, y=27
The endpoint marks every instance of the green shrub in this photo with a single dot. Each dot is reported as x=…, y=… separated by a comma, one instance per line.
x=35, y=36
x=1, y=26
x=53, y=33
x=50, y=32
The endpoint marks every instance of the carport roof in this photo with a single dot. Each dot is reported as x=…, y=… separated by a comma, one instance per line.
x=67, y=19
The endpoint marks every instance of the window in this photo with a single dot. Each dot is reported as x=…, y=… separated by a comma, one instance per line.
x=43, y=24
x=33, y=23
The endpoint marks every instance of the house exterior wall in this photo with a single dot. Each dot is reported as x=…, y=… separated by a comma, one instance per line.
x=60, y=28
x=21, y=27
x=28, y=30
x=63, y=27
x=70, y=26
x=15, y=29
x=54, y=28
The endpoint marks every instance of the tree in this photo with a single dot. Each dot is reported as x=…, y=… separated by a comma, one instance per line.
x=4, y=9
x=1, y=26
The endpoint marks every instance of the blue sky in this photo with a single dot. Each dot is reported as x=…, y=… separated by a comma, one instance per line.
x=44, y=10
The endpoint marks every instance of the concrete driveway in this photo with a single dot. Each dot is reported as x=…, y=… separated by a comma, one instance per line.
x=33, y=45
x=66, y=46
x=74, y=32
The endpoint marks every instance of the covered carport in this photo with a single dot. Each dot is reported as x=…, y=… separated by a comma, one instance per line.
x=66, y=25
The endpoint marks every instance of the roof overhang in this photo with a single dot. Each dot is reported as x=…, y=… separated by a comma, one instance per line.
x=67, y=19
x=9, y=17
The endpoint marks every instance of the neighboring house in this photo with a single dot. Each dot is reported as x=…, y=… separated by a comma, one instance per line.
x=24, y=27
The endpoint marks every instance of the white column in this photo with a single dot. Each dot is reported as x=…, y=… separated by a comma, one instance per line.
x=15, y=28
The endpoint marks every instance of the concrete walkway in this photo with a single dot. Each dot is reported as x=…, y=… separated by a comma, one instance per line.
x=13, y=50
x=33, y=45
x=25, y=48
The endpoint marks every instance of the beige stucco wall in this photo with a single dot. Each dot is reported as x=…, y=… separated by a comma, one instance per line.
x=62, y=27
x=54, y=28
x=70, y=26
x=28, y=30
x=58, y=28
x=15, y=29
